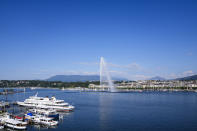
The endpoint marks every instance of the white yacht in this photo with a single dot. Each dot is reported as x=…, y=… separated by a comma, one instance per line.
x=13, y=123
x=57, y=108
x=47, y=121
x=46, y=103
x=46, y=112
x=40, y=119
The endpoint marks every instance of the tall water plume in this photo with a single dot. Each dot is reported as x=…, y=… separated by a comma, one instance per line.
x=105, y=79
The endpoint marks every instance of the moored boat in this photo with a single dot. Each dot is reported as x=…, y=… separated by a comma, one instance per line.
x=49, y=112
x=40, y=119
x=47, y=103
x=13, y=123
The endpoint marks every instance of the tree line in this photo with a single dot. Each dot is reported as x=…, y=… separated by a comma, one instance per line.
x=39, y=83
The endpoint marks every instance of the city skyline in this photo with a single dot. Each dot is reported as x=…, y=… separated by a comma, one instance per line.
x=138, y=39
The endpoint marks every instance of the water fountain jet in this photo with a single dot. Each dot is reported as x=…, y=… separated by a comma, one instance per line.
x=105, y=78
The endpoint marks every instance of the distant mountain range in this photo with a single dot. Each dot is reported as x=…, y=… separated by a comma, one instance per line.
x=77, y=78
x=157, y=78
x=193, y=77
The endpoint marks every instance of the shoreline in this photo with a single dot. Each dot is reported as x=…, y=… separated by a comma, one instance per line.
x=178, y=89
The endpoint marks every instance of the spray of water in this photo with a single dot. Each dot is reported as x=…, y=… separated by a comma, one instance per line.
x=105, y=79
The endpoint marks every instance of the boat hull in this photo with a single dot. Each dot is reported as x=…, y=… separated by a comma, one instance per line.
x=15, y=127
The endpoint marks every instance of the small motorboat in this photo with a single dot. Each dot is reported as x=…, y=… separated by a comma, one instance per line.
x=46, y=112
x=40, y=119
x=48, y=121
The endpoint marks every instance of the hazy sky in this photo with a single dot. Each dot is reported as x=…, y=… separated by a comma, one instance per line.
x=138, y=38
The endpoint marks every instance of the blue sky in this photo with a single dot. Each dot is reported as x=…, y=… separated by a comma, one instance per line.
x=139, y=39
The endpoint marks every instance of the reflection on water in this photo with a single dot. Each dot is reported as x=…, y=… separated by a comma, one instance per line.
x=41, y=127
x=105, y=102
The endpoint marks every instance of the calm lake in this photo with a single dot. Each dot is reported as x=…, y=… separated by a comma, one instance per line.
x=132, y=111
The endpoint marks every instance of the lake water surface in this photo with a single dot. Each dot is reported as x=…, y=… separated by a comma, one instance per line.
x=102, y=111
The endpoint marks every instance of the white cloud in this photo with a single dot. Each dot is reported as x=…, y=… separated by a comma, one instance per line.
x=188, y=73
x=134, y=66
x=141, y=77
x=180, y=75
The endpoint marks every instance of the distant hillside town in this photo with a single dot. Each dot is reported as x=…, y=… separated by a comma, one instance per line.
x=145, y=84
x=158, y=83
